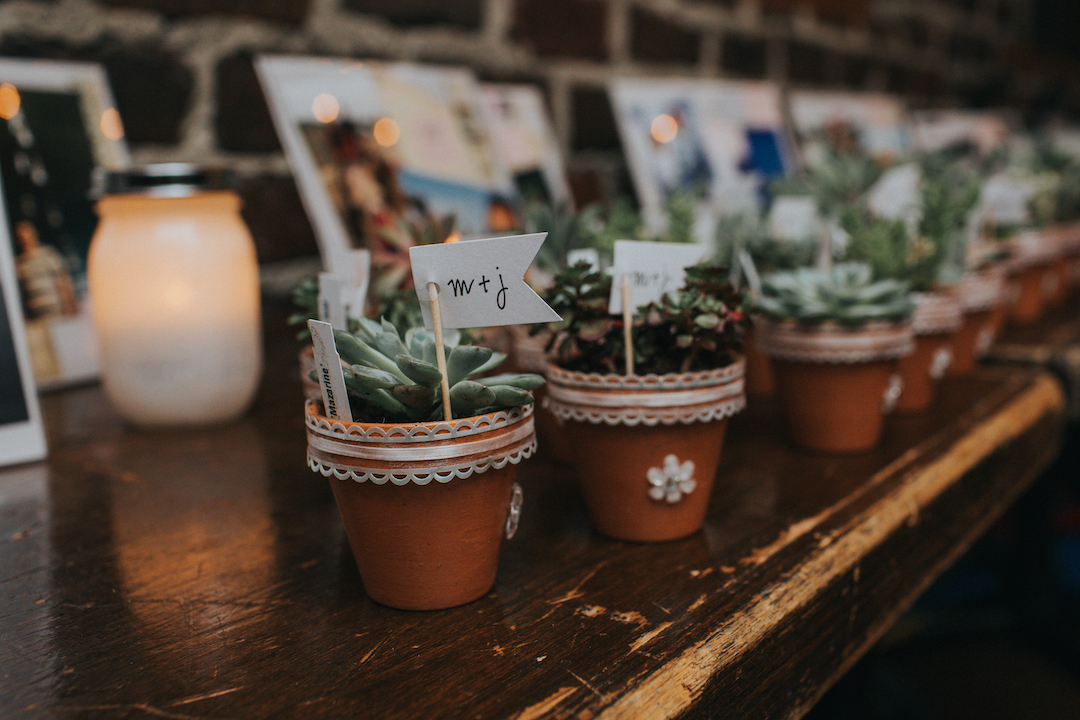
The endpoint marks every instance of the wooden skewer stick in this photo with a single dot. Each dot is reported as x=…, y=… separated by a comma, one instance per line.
x=628, y=324
x=440, y=351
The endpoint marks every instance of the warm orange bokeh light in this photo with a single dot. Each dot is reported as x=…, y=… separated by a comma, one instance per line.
x=9, y=101
x=453, y=237
x=664, y=128
x=325, y=108
x=386, y=132
x=111, y=127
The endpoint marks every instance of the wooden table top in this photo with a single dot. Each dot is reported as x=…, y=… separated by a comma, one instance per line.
x=203, y=573
x=1053, y=343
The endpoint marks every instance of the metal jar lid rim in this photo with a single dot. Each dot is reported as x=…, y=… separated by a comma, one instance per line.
x=164, y=180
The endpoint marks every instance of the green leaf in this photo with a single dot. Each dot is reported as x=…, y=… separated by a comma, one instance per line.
x=510, y=395
x=415, y=397
x=525, y=381
x=467, y=395
x=419, y=371
x=370, y=377
x=465, y=360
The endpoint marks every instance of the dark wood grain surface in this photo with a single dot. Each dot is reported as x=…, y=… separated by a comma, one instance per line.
x=203, y=573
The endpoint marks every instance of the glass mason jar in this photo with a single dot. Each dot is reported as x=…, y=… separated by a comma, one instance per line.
x=174, y=288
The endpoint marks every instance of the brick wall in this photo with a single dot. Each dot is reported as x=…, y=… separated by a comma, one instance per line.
x=184, y=83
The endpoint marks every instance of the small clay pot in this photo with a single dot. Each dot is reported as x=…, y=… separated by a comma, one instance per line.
x=1031, y=270
x=835, y=384
x=646, y=448
x=425, y=506
x=528, y=355
x=982, y=306
x=936, y=319
x=760, y=380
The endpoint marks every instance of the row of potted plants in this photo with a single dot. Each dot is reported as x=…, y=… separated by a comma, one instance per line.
x=870, y=330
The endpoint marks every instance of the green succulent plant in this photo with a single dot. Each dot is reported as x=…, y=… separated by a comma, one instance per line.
x=737, y=232
x=566, y=230
x=846, y=295
x=838, y=177
x=391, y=378
x=698, y=327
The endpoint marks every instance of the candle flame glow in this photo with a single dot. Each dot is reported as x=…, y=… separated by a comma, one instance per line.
x=664, y=128
x=9, y=101
x=386, y=132
x=325, y=108
x=111, y=127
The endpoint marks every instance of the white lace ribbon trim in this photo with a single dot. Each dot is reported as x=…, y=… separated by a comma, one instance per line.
x=646, y=400
x=834, y=344
x=413, y=432
x=981, y=291
x=419, y=453
x=442, y=474
x=936, y=313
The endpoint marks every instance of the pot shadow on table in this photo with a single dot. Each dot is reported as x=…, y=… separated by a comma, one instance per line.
x=997, y=636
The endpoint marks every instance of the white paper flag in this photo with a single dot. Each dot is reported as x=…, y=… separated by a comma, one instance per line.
x=481, y=282
x=654, y=268
x=794, y=217
x=328, y=365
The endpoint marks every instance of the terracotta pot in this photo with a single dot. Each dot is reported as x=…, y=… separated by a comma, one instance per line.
x=528, y=355
x=936, y=319
x=646, y=448
x=982, y=306
x=760, y=380
x=1031, y=270
x=835, y=384
x=425, y=506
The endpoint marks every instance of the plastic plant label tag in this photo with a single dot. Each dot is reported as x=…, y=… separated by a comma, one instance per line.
x=1004, y=199
x=655, y=268
x=328, y=365
x=331, y=310
x=746, y=262
x=896, y=193
x=589, y=255
x=481, y=283
x=355, y=294
x=794, y=217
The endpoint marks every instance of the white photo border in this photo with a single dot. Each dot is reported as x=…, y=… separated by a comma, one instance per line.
x=21, y=440
x=66, y=349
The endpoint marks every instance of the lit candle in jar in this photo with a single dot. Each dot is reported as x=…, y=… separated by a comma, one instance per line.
x=174, y=287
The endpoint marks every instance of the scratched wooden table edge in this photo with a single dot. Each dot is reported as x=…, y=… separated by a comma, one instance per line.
x=674, y=687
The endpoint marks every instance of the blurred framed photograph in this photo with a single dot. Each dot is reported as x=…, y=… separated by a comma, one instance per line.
x=374, y=146
x=22, y=437
x=58, y=123
x=875, y=123
x=720, y=140
x=940, y=129
x=525, y=140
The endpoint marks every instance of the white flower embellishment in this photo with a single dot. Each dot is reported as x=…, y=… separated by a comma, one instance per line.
x=940, y=363
x=672, y=481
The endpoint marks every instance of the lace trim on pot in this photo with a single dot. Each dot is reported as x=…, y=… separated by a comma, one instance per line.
x=981, y=291
x=1032, y=248
x=413, y=432
x=831, y=343
x=441, y=474
x=646, y=400
x=647, y=417
x=650, y=382
x=420, y=452
x=936, y=313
